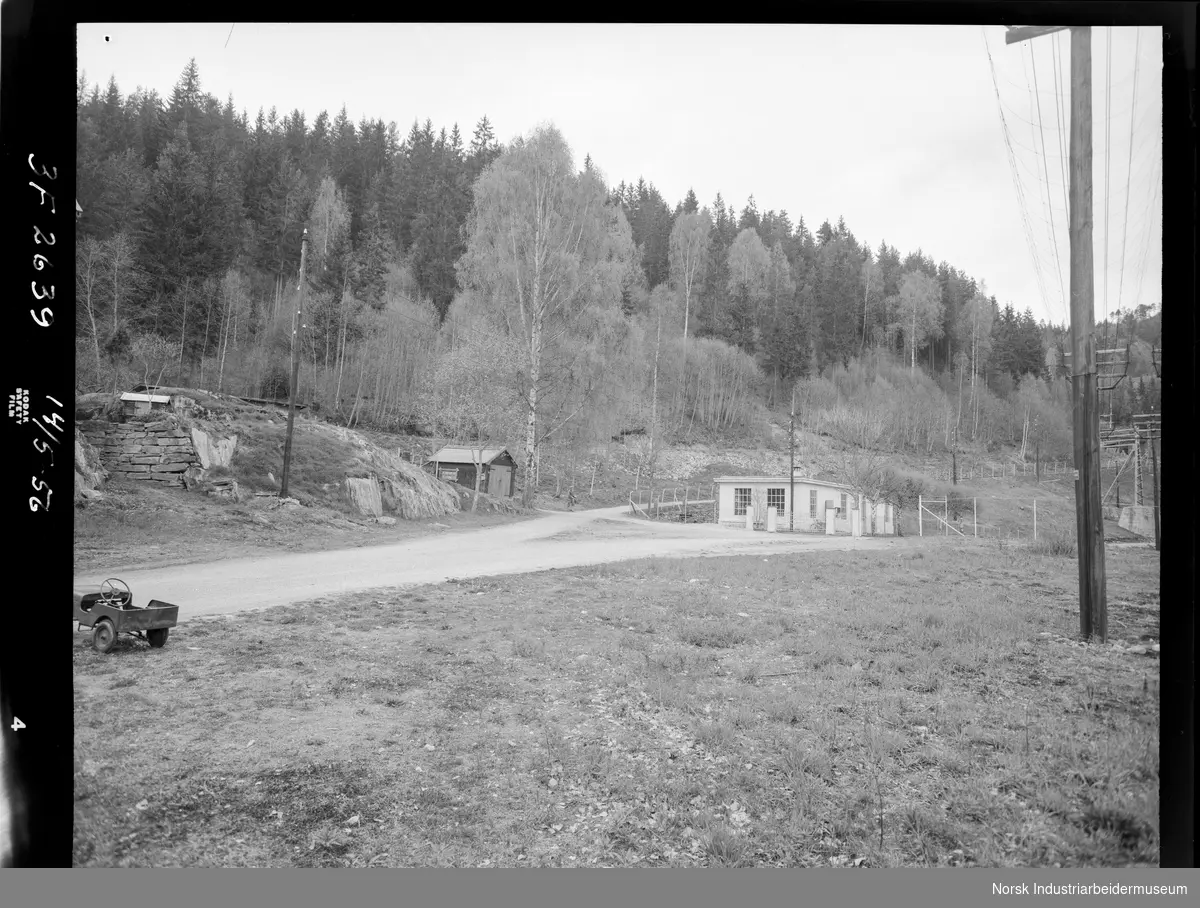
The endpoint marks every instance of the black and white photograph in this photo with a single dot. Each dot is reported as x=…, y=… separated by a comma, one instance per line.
x=618, y=445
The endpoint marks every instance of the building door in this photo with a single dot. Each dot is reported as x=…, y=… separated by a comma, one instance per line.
x=500, y=481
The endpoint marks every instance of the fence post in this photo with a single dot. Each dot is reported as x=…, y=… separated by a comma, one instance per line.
x=1035, y=520
x=975, y=515
x=946, y=507
x=920, y=526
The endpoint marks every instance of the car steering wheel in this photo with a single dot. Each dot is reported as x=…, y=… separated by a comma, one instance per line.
x=112, y=596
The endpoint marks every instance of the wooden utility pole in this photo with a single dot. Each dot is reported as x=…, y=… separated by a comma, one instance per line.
x=1089, y=520
x=1154, y=465
x=954, y=458
x=792, y=463
x=296, y=326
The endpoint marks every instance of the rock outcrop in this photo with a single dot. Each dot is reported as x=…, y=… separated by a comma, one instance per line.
x=212, y=449
x=363, y=493
x=89, y=470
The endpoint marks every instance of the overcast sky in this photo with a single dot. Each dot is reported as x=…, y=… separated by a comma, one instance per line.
x=895, y=128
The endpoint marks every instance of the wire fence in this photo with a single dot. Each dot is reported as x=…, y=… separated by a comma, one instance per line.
x=1047, y=471
x=1007, y=470
x=687, y=503
x=994, y=517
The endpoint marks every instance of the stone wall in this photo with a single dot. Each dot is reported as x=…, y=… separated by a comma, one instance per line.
x=157, y=451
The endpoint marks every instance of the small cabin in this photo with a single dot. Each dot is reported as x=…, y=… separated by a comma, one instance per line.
x=458, y=464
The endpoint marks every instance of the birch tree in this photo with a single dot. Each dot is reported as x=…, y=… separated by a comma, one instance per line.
x=545, y=245
x=688, y=260
x=747, y=264
x=917, y=311
x=88, y=266
x=975, y=325
x=872, y=280
x=233, y=299
x=468, y=398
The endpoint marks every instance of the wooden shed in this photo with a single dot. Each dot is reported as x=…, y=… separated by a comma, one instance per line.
x=457, y=464
x=137, y=404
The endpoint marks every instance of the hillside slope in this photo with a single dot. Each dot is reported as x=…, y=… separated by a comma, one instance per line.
x=123, y=522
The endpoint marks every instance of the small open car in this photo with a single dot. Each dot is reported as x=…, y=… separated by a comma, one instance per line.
x=111, y=612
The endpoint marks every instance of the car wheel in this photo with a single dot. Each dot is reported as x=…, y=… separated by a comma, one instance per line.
x=104, y=635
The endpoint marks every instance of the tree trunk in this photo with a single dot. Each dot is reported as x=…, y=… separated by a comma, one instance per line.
x=182, y=330
x=204, y=346
x=358, y=391
x=337, y=396
x=654, y=399
x=912, y=340
x=89, y=282
x=866, y=292
x=535, y=349
x=223, y=340
x=477, y=454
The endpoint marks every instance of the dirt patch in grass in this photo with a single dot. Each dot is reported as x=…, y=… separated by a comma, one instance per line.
x=923, y=707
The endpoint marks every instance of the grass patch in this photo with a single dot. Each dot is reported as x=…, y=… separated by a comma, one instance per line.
x=1057, y=544
x=830, y=708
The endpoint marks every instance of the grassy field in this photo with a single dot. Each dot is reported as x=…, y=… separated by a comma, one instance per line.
x=923, y=707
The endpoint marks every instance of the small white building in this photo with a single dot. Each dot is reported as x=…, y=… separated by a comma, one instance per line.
x=815, y=499
x=136, y=404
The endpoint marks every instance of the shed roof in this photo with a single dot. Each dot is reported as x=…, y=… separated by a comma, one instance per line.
x=783, y=480
x=466, y=455
x=151, y=398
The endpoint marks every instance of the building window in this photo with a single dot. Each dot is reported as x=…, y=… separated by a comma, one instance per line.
x=812, y=504
x=842, y=509
x=776, y=499
x=741, y=501
x=449, y=475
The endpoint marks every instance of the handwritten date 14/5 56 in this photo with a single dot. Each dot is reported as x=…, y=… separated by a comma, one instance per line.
x=35, y=503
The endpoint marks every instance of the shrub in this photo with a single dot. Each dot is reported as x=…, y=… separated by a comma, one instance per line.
x=276, y=383
x=1055, y=543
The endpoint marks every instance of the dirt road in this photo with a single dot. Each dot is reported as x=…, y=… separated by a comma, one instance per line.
x=554, y=541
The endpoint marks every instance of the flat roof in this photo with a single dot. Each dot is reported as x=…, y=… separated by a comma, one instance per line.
x=457, y=454
x=153, y=398
x=782, y=480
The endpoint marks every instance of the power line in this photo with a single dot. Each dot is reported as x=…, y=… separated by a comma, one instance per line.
x=1119, y=84
x=1061, y=116
x=1129, y=171
x=1045, y=182
x=1033, y=151
x=1020, y=192
x=1107, y=169
x=1154, y=195
x=1049, y=204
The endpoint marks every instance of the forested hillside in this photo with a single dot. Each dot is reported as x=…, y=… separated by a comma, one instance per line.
x=465, y=288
